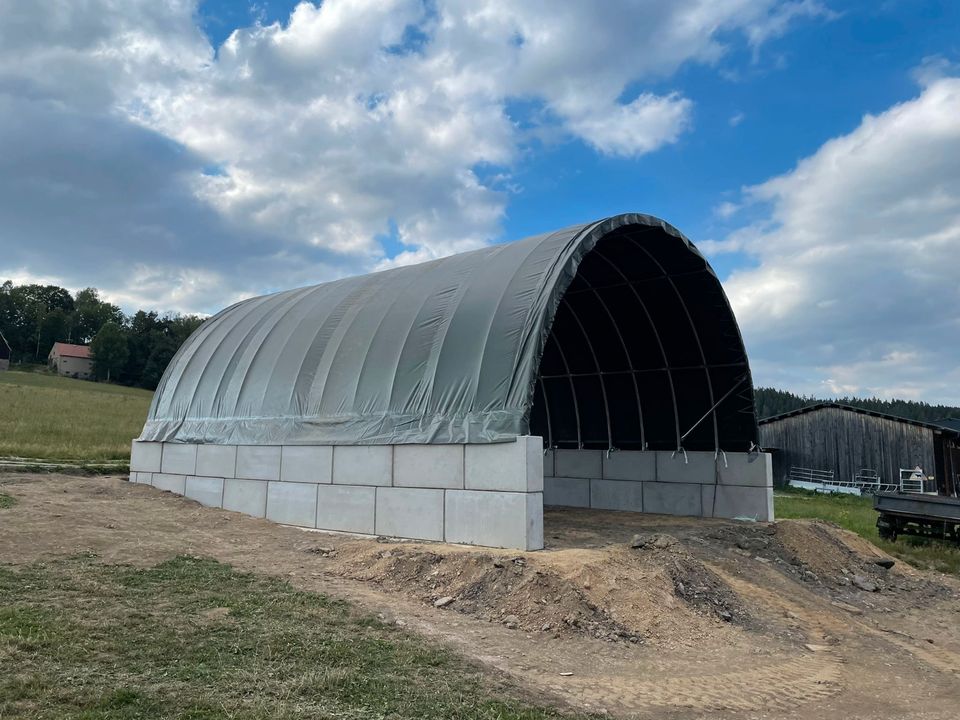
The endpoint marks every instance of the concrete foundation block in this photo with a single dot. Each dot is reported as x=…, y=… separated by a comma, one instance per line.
x=494, y=519
x=569, y=492
x=245, y=496
x=410, y=513
x=548, y=463
x=348, y=508
x=738, y=501
x=363, y=465
x=616, y=495
x=258, y=462
x=510, y=466
x=145, y=456
x=141, y=478
x=578, y=463
x=171, y=483
x=753, y=469
x=205, y=490
x=179, y=459
x=292, y=503
x=695, y=467
x=428, y=466
x=630, y=465
x=671, y=498
x=307, y=463
x=217, y=461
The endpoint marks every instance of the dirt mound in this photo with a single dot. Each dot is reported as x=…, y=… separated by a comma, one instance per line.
x=617, y=594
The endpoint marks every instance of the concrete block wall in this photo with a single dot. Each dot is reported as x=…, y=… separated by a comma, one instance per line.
x=475, y=494
x=698, y=483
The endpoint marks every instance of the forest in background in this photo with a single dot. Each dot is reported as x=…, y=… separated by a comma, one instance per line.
x=770, y=401
x=130, y=350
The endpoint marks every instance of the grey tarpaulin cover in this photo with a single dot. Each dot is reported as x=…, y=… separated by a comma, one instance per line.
x=450, y=351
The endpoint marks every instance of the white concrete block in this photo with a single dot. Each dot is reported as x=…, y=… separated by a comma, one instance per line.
x=171, y=483
x=671, y=498
x=145, y=456
x=738, y=501
x=494, y=519
x=578, y=463
x=510, y=466
x=348, y=508
x=616, y=495
x=548, y=463
x=363, y=465
x=569, y=492
x=217, y=460
x=179, y=459
x=245, y=496
x=630, y=465
x=429, y=466
x=292, y=503
x=754, y=469
x=410, y=513
x=205, y=490
x=307, y=463
x=258, y=462
x=695, y=467
x=141, y=478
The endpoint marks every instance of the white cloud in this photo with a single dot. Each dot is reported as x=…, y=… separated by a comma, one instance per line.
x=856, y=285
x=172, y=173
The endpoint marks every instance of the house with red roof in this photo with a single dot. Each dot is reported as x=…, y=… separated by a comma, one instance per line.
x=71, y=360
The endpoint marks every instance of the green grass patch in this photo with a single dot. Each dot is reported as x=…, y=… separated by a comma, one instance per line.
x=56, y=418
x=192, y=638
x=857, y=514
x=6, y=501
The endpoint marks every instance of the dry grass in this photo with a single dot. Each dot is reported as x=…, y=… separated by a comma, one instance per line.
x=55, y=418
x=192, y=638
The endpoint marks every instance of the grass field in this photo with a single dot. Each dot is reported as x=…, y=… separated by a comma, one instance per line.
x=90, y=641
x=857, y=514
x=56, y=418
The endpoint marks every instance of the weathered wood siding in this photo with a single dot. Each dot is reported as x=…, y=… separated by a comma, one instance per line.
x=845, y=442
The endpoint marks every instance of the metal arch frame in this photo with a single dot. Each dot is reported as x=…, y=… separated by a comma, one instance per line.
x=656, y=334
x=596, y=362
x=546, y=408
x=573, y=389
x=629, y=235
x=626, y=352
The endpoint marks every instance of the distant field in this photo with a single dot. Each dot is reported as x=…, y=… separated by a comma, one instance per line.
x=857, y=514
x=55, y=418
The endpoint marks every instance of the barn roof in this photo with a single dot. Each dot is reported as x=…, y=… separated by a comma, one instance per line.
x=611, y=334
x=70, y=350
x=935, y=425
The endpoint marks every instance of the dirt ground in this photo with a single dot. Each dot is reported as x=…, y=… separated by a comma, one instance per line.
x=622, y=614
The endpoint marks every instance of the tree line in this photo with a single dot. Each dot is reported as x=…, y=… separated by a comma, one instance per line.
x=770, y=401
x=131, y=350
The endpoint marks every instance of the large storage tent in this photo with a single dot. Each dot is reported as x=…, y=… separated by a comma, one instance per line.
x=608, y=345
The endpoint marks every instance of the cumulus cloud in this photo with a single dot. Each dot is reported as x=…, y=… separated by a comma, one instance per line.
x=179, y=175
x=855, y=287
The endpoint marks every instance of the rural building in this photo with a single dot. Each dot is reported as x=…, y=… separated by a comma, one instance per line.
x=847, y=441
x=71, y=360
x=597, y=366
x=5, y=352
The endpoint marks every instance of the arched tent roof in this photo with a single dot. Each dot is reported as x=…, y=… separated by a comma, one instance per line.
x=611, y=334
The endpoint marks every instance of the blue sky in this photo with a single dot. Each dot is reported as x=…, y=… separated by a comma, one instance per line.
x=181, y=155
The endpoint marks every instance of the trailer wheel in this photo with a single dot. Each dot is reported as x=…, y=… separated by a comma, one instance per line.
x=887, y=528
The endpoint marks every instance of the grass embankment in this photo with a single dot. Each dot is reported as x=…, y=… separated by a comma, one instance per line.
x=857, y=514
x=192, y=638
x=56, y=418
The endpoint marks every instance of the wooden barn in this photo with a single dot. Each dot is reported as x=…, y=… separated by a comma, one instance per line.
x=850, y=442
